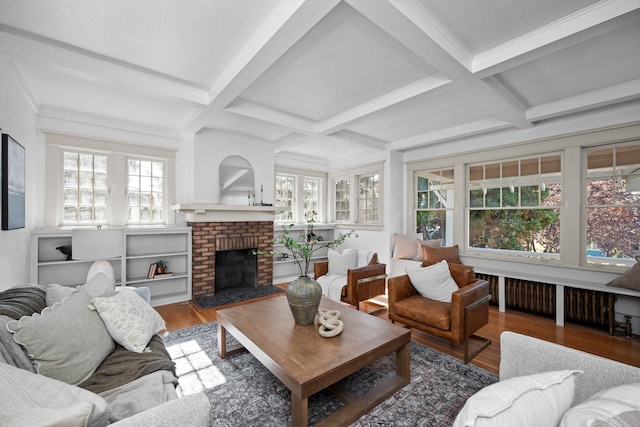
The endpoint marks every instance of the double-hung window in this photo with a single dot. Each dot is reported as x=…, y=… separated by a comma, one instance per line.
x=434, y=204
x=145, y=191
x=357, y=196
x=85, y=188
x=514, y=205
x=92, y=182
x=302, y=194
x=613, y=204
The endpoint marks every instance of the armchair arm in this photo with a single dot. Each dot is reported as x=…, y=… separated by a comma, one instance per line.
x=365, y=282
x=477, y=314
x=320, y=268
x=400, y=287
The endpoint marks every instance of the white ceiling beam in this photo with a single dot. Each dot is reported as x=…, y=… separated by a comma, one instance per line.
x=411, y=25
x=64, y=60
x=598, y=98
x=424, y=85
x=354, y=138
x=465, y=130
x=286, y=25
x=542, y=39
x=247, y=108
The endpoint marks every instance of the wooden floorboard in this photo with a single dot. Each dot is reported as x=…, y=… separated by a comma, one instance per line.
x=599, y=342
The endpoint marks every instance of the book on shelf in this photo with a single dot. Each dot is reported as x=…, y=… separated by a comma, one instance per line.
x=165, y=274
x=152, y=270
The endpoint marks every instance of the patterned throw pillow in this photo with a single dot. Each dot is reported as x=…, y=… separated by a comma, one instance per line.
x=129, y=319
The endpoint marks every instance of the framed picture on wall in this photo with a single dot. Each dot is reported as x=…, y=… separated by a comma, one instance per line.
x=13, y=184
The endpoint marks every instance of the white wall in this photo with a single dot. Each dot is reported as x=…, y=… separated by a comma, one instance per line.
x=18, y=119
x=209, y=151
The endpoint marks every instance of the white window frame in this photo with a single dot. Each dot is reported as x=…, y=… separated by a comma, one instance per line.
x=588, y=260
x=449, y=209
x=354, y=175
x=117, y=154
x=298, y=214
x=530, y=180
x=164, y=186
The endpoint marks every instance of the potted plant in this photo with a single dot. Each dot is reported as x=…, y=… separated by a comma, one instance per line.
x=161, y=266
x=304, y=293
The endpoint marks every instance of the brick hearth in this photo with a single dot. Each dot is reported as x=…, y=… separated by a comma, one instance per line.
x=209, y=237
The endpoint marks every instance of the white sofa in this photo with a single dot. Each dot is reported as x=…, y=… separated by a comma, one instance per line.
x=544, y=384
x=42, y=347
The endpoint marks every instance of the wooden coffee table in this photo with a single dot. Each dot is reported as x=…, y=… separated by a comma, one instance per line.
x=306, y=363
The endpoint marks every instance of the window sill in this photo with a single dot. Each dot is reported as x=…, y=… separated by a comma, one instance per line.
x=357, y=226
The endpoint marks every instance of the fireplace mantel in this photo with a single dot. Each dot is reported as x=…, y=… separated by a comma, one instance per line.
x=212, y=212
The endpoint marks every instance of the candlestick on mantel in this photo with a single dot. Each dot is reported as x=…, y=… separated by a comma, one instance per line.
x=260, y=194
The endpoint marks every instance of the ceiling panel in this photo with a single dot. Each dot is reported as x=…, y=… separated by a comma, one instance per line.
x=255, y=128
x=61, y=91
x=591, y=65
x=192, y=41
x=422, y=114
x=343, y=61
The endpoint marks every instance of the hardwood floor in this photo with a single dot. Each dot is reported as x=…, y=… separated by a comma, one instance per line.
x=617, y=347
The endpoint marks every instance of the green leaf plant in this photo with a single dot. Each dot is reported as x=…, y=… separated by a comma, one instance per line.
x=303, y=247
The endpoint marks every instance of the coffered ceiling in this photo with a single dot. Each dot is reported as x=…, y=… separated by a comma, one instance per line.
x=323, y=78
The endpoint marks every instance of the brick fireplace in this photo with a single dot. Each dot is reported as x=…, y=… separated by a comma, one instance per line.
x=212, y=237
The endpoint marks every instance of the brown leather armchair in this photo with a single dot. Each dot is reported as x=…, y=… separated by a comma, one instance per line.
x=456, y=321
x=362, y=283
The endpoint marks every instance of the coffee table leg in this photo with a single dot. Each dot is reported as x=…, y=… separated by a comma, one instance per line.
x=222, y=341
x=299, y=411
x=402, y=363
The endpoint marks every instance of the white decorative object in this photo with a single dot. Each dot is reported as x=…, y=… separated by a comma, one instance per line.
x=330, y=323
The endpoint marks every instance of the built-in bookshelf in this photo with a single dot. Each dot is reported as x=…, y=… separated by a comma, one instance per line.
x=284, y=268
x=141, y=248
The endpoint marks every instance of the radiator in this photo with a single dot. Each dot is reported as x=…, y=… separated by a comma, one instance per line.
x=582, y=306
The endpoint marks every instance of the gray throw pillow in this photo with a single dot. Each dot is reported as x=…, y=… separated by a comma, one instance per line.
x=67, y=341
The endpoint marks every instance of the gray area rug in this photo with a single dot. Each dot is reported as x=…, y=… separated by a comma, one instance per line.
x=236, y=294
x=244, y=393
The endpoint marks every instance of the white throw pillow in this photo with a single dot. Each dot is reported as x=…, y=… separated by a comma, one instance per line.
x=617, y=406
x=130, y=320
x=364, y=257
x=35, y=400
x=404, y=246
x=66, y=341
x=339, y=263
x=537, y=400
x=433, y=282
x=99, y=285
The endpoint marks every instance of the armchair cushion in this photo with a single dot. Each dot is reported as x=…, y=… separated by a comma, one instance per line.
x=450, y=254
x=339, y=263
x=430, y=312
x=433, y=282
x=409, y=246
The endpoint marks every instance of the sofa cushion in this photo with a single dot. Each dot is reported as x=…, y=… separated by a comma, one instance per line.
x=409, y=246
x=617, y=406
x=450, y=254
x=129, y=319
x=35, y=400
x=630, y=279
x=433, y=282
x=67, y=341
x=339, y=263
x=434, y=313
x=537, y=400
